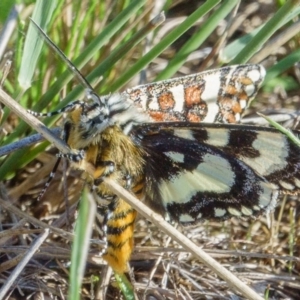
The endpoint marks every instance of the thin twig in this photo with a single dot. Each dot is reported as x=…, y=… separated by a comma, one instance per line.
x=17, y=271
x=34, y=122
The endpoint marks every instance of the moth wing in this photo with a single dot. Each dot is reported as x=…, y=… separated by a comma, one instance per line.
x=189, y=180
x=219, y=95
x=270, y=153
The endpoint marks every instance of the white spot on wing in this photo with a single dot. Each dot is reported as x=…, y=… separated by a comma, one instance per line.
x=184, y=218
x=297, y=182
x=184, y=133
x=286, y=185
x=212, y=86
x=199, y=216
x=217, y=137
x=214, y=174
x=210, y=96
x=255, y=207
x=175, y=156
x=273, y=153
x=178, y=93
x=219, y=212
x=243, y=103
x=250, y=89
x=268, y=197
x=246, y=211
x=234, y=211
x=212, y=111
x=256, y=75
x=153, y=104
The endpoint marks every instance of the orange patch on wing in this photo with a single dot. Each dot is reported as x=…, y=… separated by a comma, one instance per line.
x=230, y=89
x=166, y=101
x=243, y=96
x=236, y=108
x=229, y=117
x=245, y=80
x=160, y=116
x=192, y=95
x=229, y=109
x=193, y=118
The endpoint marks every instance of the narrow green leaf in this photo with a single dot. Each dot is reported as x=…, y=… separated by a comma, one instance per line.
x=165, y=43
x=281, y=16
x=125, y=286
x=100, y=40
x=33, y=44
x=234, y=48
x=283, y=65
x=80, y=247
x=198, y=38
x=282, y=129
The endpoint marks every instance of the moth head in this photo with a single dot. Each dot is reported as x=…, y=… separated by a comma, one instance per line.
x=94, y=100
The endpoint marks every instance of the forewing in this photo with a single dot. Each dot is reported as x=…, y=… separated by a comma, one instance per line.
x=190, y=179
x=219, y=95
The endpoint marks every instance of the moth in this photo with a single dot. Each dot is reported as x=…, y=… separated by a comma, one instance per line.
x=177, y=146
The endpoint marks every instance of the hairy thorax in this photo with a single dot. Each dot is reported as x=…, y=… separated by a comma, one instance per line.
x=112, y=154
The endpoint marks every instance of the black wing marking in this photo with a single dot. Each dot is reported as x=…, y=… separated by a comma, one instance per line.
x=204, y=171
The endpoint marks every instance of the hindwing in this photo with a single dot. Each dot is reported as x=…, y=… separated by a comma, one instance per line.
x=208, y=171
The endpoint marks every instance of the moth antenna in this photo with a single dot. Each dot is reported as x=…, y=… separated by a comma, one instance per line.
x=70, y=65
x=68, y=108
x=51, y=176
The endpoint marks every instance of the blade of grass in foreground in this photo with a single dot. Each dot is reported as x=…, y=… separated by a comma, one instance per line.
x=282, y=129
x=33, y=44
x=80, y=247
x=125, y=286
x=106, y=34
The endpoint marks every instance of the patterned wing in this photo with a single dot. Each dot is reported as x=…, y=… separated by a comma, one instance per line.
x=219, y=95
x=195, y=172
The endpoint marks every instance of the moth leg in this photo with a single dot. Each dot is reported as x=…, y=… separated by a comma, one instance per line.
x=128, y=181
x=73, y=155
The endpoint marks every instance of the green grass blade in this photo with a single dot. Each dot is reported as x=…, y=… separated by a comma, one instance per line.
x=234, y=48
x=166, y=42
x=267, y=31
x=80, y=247
x=93, y=47
x=282, y=129
x=122, y=50
x=89, y=51
x=125, y=286
x=283, y=65
x=198, y=38
x=33, y=44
